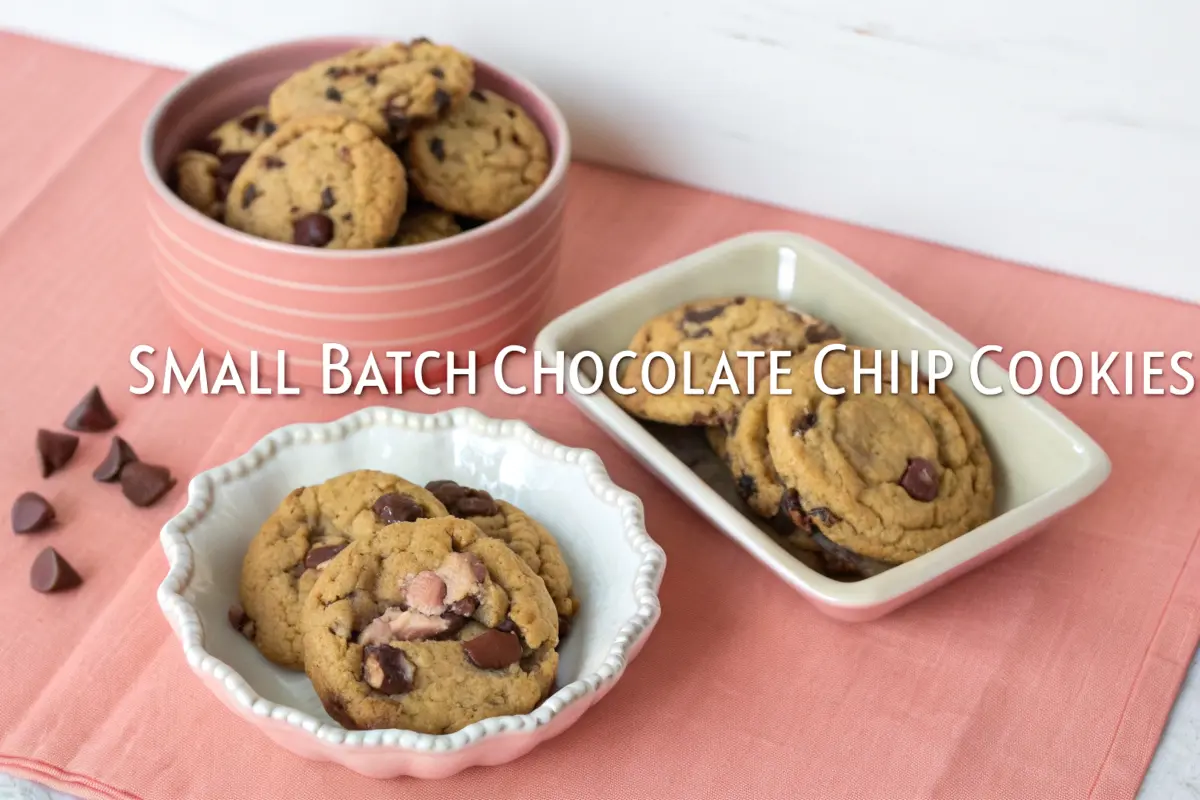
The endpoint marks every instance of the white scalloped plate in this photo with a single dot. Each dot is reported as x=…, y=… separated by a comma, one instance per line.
x=616, y=566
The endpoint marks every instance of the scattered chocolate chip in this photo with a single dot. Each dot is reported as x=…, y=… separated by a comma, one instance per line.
x=231, y=163
x=701, y=333
x=210, y=145
x=920, y=480
x=336, y=72
x=506, y=625
x=441, y=99
x=31, y=513
x=397, y=508
x=312, y=230
x=437, y=72
x=438, y=148
x=250, y=122
x=51, y=573
x=347, y=217
x=698, y=315
x=511, y=113
x=271, y=162
x=249, y=194
x=821, y=333
x=419, y=40
x=145, y=484
x=824, y=516
x=746, y=486
x=91, y=415
x=333, y=94
x=55, y=450
x=240, y=621
x=386, y=669
x=119, y=455
x=269, y=128
x=463, y=501
x=792, y=506
x=327, y=198
x=493, y=649
x=372, y=79
x=319, y=555
x=739, y=300
x=397, y=122
x=478, y=95
x=804, y=423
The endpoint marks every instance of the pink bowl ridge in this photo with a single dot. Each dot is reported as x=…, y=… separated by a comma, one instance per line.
x=479, y=291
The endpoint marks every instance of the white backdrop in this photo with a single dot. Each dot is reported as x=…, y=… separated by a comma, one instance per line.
x=1062, y=133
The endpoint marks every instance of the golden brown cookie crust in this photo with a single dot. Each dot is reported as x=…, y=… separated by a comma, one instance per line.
x=706, y=329
x=327, y=167
x=389, y=88
x=275, y=579
x=242, y=134
x=485, y=158
x=196, y=182
x=847, y=458
x=446, y=690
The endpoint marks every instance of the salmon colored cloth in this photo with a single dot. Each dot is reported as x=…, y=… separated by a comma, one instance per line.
x=1047, y=674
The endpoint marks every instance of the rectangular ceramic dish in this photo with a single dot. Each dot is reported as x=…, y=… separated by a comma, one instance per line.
x=1044, y=463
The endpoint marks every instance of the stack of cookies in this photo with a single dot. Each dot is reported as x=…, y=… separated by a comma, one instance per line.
x=381, y=146
x=853, y=482
x=420, y=608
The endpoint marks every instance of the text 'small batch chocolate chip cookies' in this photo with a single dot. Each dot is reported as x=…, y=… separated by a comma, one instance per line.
x=852, y=483
x=387, y=146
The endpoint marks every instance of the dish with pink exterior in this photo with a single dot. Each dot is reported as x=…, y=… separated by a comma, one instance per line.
x=1043, y=463
x=616, y=568
x=480, y=290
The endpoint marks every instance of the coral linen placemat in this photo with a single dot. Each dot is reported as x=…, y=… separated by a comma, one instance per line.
x=1048, y=673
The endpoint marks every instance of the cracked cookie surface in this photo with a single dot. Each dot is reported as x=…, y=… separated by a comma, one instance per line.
x=389, y=88
x=429, y=626
x=320, y=182
x=886, y=476
x=309, y=528
x=482, y=160
x=524, y=535
x=707, y=329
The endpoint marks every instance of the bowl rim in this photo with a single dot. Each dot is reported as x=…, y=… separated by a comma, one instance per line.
x=186, y=623
x=558, y=166
x=878, y=592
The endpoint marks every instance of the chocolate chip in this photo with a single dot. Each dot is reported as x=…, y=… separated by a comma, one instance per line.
x=824, y=516
x=697, y=315
x=297, y=570
x=312, y=230
x=437, y=72
x=493, y=649
x=240, y=621
x=347, y=217
x=438, y=148
x=397, y=508
x=419, y=40
x=464, y=608
x=821, y=333
x=91, y=415
x=397, y=122
x=511, y=113
x=231, y=163
x=920, y=480
x=250, y=122
x=739, y=300
x=271, y=162
x=463, y=501
x=249, y=194
x=51, y=573
x=792, y=506
x=386, y=669
x=319, y=555
x=804, y=423
x=31, y=513
x=55, y=450
x=478, y=95
x=746, y=486
x=145, y=484
x=372, y=79
x=269, y=128
x=336, y=72
x=441, y=99
x=344, y=154
x=506, y=625
x=119, y=455
x=210, y=145
x=701, y=333
x=327, y=198
x=335, y=708
x=333, y=94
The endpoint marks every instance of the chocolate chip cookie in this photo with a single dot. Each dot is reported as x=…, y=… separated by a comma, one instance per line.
x=706, y=330
x=320, y=182
x=886, y=476
x=429, y=626
x=389, y=88
x=485, y=158
x=196, y=179
x=242, y=134
x=426, y=224
x=524, y=535
x=311, y=526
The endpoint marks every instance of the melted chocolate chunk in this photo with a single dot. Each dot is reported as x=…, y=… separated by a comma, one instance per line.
x=397, y=508
x=312, y=230
x=493, y=649
x=920, y=480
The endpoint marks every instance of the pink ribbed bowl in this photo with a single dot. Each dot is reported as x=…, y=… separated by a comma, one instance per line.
x=479, y=291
